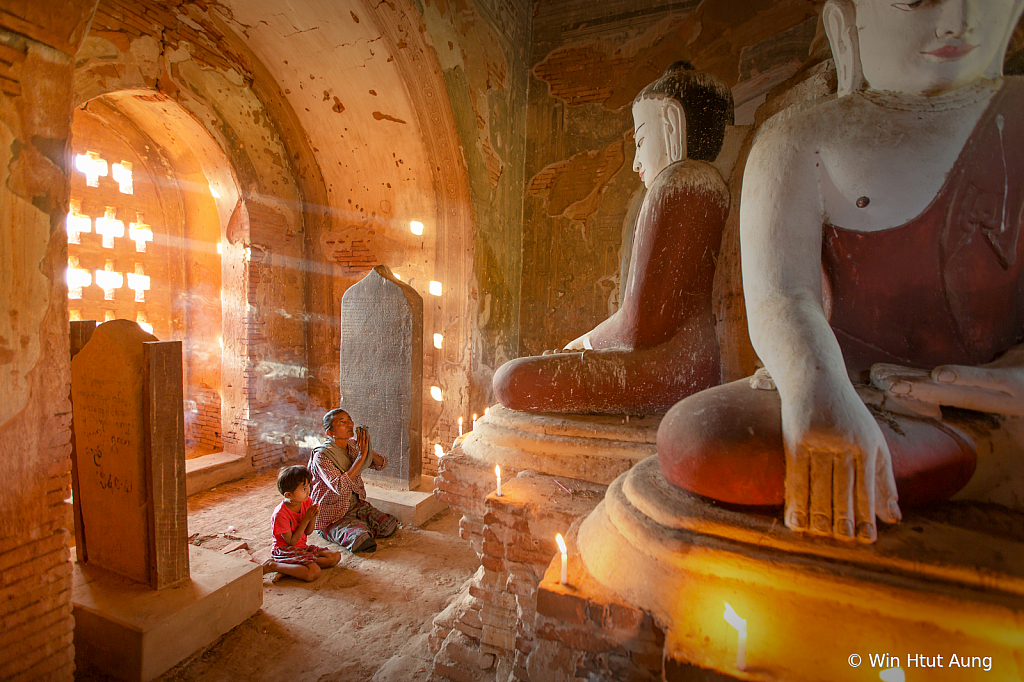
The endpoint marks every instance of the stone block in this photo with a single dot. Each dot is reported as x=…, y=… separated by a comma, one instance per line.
x=209, y=471
x=130, y=632
x=412, y=507
x=465, y=650
x=498, y=617
x=498, y=637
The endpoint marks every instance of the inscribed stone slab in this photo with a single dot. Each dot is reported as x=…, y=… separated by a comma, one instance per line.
x=127, y=407
x=382, y=371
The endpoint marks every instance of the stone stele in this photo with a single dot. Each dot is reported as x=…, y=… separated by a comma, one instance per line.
x=382, y=371
x=130, y=453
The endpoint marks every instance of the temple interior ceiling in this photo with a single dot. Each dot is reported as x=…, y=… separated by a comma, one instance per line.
x=339, y=71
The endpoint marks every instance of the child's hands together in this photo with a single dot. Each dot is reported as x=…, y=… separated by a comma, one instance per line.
x=312, y=512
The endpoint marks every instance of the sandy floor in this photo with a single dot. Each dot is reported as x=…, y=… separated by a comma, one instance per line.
x=366, y=619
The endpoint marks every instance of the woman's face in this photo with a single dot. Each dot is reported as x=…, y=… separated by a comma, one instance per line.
x=342, y=428
x=929, y=47
x=651, y=132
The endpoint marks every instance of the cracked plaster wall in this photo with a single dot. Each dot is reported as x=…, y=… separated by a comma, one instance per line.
x=482, y=48
x=588, y=61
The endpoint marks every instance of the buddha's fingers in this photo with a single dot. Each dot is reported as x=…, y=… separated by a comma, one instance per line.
x=886, y=496
x=821, y=492
x=798, y=472
x=843, y=509
x=1003, y=379
x=967, y=397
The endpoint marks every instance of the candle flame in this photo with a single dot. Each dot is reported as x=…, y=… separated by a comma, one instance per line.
x=739, y=623
x=438, y=450
x=561, y=543
x=497, y=471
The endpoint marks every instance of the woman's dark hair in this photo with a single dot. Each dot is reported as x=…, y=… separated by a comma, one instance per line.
x=329, y=417
x=290, y=478
x=707, y=103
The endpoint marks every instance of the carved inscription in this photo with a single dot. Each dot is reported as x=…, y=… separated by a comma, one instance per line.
x=107, y=398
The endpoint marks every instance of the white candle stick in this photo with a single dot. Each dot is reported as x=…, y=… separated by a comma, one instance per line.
x=565, y=558
x=474, y=421
x=497, y=472
x=460, y=426
x=741, y=633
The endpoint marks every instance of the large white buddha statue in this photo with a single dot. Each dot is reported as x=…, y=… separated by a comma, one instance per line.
x=883, y=271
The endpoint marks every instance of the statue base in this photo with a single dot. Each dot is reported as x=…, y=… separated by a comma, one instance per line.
x=943, y=590
x=127, y=631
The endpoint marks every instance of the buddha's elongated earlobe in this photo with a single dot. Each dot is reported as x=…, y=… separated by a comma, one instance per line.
x=995, y=69
x=675, y=131
x=840, y=20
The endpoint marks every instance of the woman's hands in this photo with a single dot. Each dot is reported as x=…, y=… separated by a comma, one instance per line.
x=838, y=467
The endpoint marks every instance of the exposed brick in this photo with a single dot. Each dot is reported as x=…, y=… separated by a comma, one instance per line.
x=500, y=638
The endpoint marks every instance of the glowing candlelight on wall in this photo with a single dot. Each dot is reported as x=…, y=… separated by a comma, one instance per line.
x=438, y=340
x=565, y=558
x=435, y=288
x=497, y=472
x=416, y=227
x=460, y=426
x=892, y=675
x=435, y=393
x=438, y=451
x=741, y=631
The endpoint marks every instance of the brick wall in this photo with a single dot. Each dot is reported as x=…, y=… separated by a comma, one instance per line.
x=202, y=421
x=36, y=73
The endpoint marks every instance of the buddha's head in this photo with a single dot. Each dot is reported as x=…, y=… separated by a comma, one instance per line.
x=927, y=47
x=681, y=115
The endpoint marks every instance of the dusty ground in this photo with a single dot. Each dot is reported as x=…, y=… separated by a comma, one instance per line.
x=366, y=619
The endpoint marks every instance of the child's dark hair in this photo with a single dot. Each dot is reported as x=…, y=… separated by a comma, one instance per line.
x=290, y=478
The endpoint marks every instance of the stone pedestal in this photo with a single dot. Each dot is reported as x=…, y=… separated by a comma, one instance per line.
x=554, y=472
x=126, y=631
x=412, y=507
x=948, y=581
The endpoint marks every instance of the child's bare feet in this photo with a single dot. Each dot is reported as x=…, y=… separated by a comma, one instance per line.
x=268, y=566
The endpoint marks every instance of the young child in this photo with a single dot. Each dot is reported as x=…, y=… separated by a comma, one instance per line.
x=292, y=520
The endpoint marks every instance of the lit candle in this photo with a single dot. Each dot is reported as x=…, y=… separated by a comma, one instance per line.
x=741, y=631
x=474, y=421
x=486, y=410
x=460, y=426
x=497, y=472
x=565, y=558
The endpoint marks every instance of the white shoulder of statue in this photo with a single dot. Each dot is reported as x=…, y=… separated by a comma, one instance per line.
x=691, y=176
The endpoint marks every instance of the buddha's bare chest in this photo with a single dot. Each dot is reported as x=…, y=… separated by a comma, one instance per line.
x=883, y=168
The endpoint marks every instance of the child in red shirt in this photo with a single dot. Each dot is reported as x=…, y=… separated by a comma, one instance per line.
x=292, y=520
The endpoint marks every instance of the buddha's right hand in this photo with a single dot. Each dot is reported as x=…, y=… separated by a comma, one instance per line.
x=838, y=468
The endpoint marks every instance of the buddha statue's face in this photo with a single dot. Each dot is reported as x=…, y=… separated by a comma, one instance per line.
x=658, y=139
x=930, y=47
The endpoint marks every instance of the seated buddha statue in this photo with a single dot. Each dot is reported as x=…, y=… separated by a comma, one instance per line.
x=883, y=271
x=660, y=346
